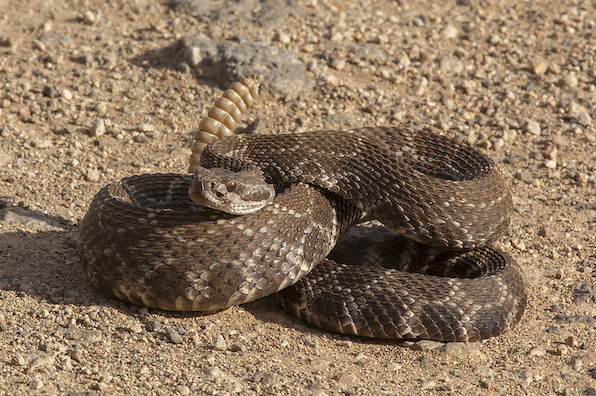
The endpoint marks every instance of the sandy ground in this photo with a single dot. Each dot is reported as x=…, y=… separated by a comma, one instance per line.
x=515, y=79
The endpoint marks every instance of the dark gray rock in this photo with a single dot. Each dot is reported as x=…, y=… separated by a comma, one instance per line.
x=173, y=336
x=282, y=73
x=584, y=292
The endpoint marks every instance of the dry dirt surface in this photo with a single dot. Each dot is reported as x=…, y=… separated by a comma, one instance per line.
x=89, y=94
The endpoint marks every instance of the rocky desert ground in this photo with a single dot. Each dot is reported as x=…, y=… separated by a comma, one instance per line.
x=92, y=91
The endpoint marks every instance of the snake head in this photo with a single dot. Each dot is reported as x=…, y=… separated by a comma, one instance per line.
x=232, y=192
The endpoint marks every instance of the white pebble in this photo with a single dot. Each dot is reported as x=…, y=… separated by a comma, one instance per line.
x=282, y=37
x=92, y=175
x=220, y=344
x=99, y=128
x=449, y=32
x=146, y=127
x=66, y=94
x=532, y=127
x=550, y=164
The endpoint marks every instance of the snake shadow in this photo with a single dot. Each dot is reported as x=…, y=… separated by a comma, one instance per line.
x=39, y=260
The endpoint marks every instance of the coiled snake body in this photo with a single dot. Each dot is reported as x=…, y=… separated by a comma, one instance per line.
x=145, y=242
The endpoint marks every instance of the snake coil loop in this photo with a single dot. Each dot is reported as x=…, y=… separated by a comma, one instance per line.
x=223, y=118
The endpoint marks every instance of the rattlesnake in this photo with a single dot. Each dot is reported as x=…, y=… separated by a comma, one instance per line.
x=144, y=241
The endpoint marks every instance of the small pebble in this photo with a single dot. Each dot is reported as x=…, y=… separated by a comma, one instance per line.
x=330, y=80
x=525, y=176
x=24, y=112
x=153, y=325
x=270, y=378
x=98, y=128
x=584, y=118
x=146, y=127
x=135, y=328
x=77, y=355
x=36, y=383
x=519, y=245
x=214, y=372
x=18, y=360
x=498, y=143
x=220, y=344
x=101, y=108
x=173, y=336
x=282, y=37
x=6, y=41
x=449, y=32
x=337, y=63
x=569, y=80
x=539, y=67
x=537, y=352
x=550, y=164
x=42, y=144
x=532, y=127
x=551, y=152
x=360, y=359
x=450, y=65
x=90, y=18
x=140, y=138
x=210, y=359
x=494, y=39
x=92, y=175
x=562, y=350
x=66, y=364
x=66, y=94
x=392, y=366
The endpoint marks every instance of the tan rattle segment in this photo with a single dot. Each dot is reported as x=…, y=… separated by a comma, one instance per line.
x=223, y=118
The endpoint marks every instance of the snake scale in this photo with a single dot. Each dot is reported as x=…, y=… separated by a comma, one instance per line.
x=433, y=276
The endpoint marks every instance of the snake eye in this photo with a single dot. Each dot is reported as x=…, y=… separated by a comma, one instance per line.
x=231, y=186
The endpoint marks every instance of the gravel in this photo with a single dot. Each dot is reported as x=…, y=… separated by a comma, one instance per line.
x=89, y=94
